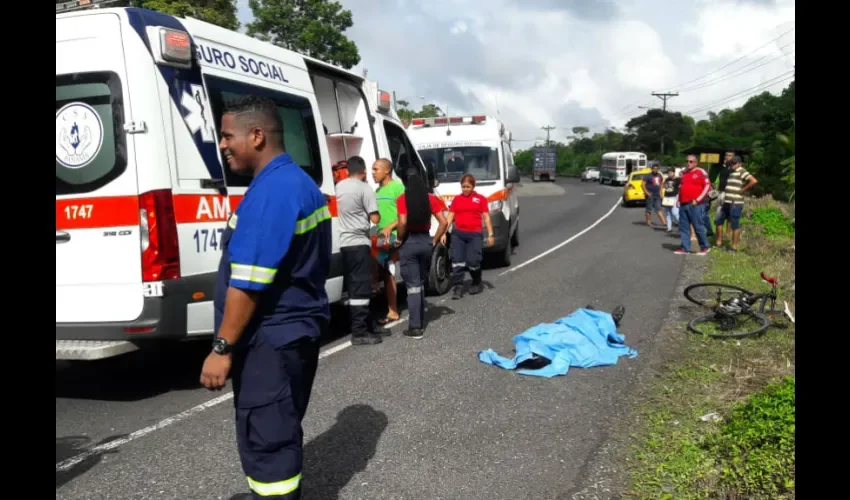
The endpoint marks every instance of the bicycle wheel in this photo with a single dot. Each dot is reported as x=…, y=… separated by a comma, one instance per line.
x=720, y=326
x=714, y=293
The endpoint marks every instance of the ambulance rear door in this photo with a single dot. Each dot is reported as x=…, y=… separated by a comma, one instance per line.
x=98, y=243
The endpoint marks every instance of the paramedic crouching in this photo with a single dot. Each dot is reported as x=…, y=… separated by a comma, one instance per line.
x=270, y=301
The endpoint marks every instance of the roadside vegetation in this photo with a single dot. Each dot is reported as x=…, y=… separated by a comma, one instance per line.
x=718, y=421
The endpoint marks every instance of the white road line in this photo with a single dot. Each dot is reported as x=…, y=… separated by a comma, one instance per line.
x=561, y=244
x=70, y=462
x=335, y=349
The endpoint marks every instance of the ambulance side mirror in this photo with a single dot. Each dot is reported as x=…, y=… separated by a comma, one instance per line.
x=513, y=175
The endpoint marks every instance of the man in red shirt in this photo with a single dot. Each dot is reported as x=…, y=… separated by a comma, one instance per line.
x=692, y=192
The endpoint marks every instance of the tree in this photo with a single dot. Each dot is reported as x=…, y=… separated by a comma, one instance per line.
x=580, y=131
x=657, y=124
x=219, y=12
x=765, y=125
x=427, y=111
x=311, y=27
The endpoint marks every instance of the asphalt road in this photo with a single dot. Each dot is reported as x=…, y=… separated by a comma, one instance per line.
x=407, y=419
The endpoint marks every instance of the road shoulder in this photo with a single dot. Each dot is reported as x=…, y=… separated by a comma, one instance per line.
x=712, y=415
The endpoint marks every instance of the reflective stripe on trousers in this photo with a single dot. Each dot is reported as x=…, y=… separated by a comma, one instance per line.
x=271, y=392
x=415, y=257
x=467, y=248
x=357, y=264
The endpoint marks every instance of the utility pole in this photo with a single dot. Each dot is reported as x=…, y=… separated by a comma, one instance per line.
x=547, y=128
x=664, y=96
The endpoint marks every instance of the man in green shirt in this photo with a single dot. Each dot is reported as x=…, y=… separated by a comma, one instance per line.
x=388, y=191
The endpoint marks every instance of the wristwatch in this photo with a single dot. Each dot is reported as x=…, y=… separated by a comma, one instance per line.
x=220, y=346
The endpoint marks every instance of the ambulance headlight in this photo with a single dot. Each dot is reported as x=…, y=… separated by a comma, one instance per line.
x=495, y=205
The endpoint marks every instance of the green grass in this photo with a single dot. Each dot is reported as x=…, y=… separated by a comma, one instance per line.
x=712, y=425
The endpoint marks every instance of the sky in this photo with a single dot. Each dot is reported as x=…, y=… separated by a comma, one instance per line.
x=567, y=63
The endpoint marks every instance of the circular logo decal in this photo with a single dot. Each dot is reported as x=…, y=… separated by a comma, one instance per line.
x=79, y=135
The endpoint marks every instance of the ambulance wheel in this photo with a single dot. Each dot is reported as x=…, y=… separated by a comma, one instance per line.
x=504, y=258
x=440, y=273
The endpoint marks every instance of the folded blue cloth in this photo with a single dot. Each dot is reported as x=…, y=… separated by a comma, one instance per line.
x=585, y=338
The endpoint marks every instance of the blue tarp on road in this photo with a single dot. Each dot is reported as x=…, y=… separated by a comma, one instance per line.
x=585, y=338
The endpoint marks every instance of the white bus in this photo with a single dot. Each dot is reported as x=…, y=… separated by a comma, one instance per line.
x=616, y=166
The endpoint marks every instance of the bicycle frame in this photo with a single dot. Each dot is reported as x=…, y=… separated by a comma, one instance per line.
x=765, y=298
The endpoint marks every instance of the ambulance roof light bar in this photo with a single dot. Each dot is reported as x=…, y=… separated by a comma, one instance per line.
x=82, y=4
x=443, y=120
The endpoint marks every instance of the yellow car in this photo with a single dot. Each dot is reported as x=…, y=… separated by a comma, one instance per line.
x=633, y=192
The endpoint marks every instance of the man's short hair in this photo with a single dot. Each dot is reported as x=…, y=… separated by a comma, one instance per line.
x=255, y=111
x=388, y=164
x=356, y=165
x=736, y=160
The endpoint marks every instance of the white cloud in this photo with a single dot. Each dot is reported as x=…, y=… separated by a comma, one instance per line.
x=570, y=62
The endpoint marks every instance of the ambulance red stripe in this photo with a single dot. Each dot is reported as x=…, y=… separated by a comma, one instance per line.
x=92, y=213
x=116, y=211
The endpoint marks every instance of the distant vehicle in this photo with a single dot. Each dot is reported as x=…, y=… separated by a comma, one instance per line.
x=617, y=166
x=544, y=163
x=590, y=174
x=633, y=192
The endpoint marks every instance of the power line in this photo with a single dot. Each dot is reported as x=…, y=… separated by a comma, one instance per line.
x=704, y=114
x=641, y=101
x=733, y=62
x=738, y=72
x=776, y=79
x=547, y=128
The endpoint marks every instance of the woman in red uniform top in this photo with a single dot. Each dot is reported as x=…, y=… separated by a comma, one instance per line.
x=467, y=211
x=415, y=208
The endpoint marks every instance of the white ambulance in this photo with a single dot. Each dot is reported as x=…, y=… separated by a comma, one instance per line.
x=479, y=145
x=141, y=193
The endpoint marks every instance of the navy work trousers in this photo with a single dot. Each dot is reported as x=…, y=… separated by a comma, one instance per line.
x=271, y=390
x=467, y=248
x=357, y=262
x=415, y=259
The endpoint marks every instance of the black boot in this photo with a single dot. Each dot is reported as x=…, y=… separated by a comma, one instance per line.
x=476, y=287
x=457, y=292
x=617, y=314
x=366, y=340
x=380, y=331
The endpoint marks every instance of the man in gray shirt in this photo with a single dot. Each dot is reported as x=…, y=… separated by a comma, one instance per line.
x=358, y=209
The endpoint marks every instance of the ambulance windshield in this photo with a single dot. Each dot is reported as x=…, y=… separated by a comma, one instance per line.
x=450, y=164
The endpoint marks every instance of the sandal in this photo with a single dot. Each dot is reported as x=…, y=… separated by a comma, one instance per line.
x=386, y=319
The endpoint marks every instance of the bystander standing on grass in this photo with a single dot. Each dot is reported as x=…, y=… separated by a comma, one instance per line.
x=738, y=182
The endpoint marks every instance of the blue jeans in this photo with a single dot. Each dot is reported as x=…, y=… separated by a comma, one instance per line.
x=671, y=213
x=692, y=214
x=706, y=219
x=732, y=213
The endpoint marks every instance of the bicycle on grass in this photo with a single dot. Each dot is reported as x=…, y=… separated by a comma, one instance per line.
x=741, y=305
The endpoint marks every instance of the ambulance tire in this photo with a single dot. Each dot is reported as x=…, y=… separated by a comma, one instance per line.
x=503, y=258
x=440, y=271
x=515, y=236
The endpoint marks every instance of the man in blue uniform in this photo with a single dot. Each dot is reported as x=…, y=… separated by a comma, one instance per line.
x=270, y=303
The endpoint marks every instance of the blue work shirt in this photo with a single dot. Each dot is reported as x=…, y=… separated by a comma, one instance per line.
x=278, y=243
